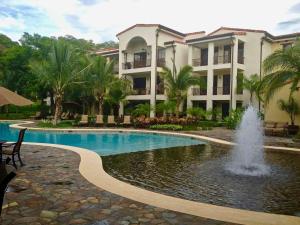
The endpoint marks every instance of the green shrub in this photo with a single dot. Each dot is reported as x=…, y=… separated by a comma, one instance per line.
x=166, y=127
x=199, y=113
x=234, y=118
x=141, y=110
x=49, y=124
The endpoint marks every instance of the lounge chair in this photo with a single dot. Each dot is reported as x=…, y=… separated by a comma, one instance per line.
x=99, y=120
x=7, y=173
x=111, y=120
x=84, y=120
x=13, y=149
x=127, y=120
x=65, y=116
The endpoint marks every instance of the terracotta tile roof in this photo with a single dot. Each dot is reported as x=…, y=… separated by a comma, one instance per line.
x=209, y=37
x=107, y=50
x=154, y=25
x=173, y=42
x=237, y=29
x=194, y=33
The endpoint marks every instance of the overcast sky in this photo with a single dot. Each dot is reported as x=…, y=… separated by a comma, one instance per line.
x=100, y=20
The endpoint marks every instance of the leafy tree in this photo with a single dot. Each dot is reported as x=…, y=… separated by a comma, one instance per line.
x=59, y=71
x=101, y=76
x=291, y=107
x=141, y=110
x=118, y=91
x=165, y=107
x=253, y=85
x=177, y=85
x=282, y=68
x=199, y=113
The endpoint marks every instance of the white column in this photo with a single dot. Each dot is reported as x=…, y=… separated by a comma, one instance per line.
x=190, y=60
x=234, y=74
x=153, y=79
x=210, y=75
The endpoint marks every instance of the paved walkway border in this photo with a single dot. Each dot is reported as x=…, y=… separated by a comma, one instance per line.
x=91, y=160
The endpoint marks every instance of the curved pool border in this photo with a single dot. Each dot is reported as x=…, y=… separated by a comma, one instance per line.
x=91, y=160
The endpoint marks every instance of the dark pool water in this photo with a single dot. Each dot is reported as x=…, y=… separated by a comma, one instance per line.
x=197, y=173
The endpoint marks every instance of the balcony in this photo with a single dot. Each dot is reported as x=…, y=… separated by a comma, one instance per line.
x=141, y=91
x=222, y=59
x=225, y=90
x=160, y=90
x=161, y=62
x=198, y=91
x=136, y=64
x=240, y=59
x=200, y=62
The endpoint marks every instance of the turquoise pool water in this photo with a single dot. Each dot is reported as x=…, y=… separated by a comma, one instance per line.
x=104, y=143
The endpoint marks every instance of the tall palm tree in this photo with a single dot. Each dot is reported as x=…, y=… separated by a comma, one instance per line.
x=102, y=75
x=59, y=71
x=177, y=85
x=117, y=92
x=253, y=85
x=282, y=68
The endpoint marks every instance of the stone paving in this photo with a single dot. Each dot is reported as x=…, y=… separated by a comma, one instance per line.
x=50, y=190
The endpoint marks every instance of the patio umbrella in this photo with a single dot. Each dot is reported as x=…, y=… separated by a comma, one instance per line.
x=8, y=97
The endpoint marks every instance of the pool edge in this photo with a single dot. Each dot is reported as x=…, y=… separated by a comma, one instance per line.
x=91, y=160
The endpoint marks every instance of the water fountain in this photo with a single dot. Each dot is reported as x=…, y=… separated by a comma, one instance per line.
x=247, y=157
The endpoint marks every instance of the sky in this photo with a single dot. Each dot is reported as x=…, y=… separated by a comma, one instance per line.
x=101, y=20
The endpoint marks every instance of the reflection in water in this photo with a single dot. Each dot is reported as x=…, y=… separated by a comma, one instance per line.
x=197, y=173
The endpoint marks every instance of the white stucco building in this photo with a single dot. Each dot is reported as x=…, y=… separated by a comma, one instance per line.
x=220, y=57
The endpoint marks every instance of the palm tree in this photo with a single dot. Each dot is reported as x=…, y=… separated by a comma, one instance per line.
x=117, y=92
x=102, y=75
x=177, y=85
x=291, y=107
x=282, y=68
x=253, y=85
x=59, y=71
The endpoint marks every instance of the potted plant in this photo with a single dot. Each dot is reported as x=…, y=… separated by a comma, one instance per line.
x=292, y=108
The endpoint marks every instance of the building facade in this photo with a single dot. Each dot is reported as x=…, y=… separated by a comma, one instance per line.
x=221, y=58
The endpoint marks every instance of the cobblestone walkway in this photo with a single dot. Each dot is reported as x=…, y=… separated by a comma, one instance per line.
x=50, y=190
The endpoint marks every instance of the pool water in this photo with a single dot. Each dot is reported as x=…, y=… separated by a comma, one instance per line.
x=104, y=143
x=197, y=173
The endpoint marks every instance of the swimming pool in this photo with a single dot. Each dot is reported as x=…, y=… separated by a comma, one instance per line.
x=104, y=143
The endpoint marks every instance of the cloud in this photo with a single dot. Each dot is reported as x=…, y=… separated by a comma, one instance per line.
x=74, y=21
x=295, y=8
x=100, y=20
x=289, y=24
x=89, y=2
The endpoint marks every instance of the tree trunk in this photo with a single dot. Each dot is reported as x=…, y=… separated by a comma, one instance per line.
x=58, y=108
x=100, y=101
x=177, y=107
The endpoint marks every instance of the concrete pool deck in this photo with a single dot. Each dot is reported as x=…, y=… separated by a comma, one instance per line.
x=90, y=160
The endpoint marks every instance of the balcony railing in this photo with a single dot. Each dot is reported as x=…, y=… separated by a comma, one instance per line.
x=221, y=90
x=141, y=91
x=222, y=59
x=199, y=91
x=161, y=62
x=200, y=62
x=160, y=90
x=136, y=64
x=241, y=59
